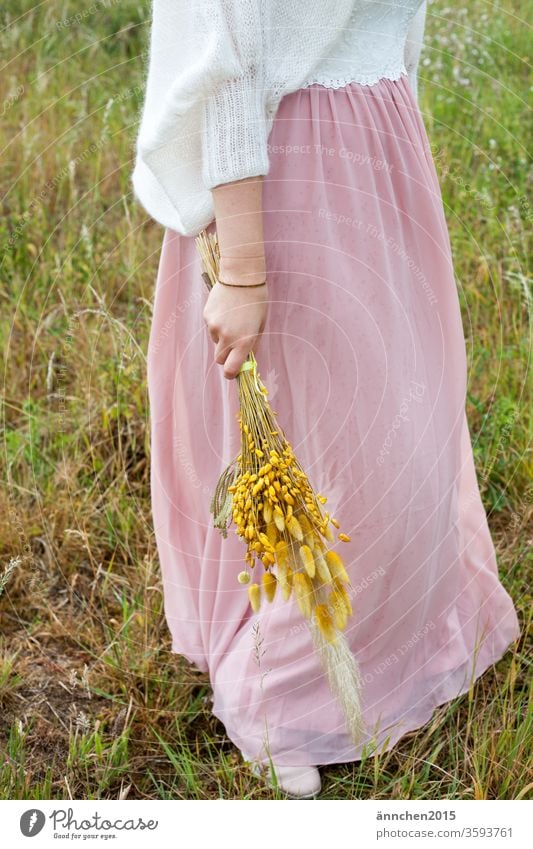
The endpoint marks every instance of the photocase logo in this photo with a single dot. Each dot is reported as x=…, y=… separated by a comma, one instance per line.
x=32, y=822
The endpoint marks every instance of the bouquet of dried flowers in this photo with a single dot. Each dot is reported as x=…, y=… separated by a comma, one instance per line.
x=279, y=517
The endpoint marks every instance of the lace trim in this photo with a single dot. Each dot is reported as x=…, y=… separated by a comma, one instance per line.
x=361, y=79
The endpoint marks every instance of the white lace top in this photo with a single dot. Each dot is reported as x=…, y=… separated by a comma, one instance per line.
x=381, y=39
x=218, y=69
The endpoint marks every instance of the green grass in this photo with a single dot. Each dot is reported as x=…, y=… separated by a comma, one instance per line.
x=93, y=704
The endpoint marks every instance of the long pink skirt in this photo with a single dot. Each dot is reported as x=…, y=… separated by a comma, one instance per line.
x=364, y=358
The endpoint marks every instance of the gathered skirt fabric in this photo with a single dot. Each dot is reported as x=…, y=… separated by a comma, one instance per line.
x=364, y=357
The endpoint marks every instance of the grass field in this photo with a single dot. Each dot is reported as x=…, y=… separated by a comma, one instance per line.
x=92, y=702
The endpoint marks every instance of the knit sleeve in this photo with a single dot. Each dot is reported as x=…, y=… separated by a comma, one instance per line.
x=413, y=46
x=234, y=133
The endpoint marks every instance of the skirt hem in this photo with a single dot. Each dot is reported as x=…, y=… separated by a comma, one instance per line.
x=368, y=749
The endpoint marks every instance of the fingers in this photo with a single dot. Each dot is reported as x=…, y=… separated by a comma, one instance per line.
x=227, y=328
x=232, y=356
x=234, y=361
x=221, y=351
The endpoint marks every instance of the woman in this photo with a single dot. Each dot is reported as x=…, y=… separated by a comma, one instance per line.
x=297, y=134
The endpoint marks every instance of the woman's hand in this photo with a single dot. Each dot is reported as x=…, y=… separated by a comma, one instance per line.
x=236, y=314
x=235, y=317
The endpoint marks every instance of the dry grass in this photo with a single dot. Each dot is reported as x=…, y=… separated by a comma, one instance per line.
x=93, y=703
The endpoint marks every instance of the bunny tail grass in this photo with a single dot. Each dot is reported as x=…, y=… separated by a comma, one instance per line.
x=343, y=676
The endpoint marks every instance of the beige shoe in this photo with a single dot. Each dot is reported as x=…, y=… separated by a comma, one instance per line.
x=299, y=782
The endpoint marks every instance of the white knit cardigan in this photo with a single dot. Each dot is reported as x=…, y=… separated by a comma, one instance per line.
x=217, y=72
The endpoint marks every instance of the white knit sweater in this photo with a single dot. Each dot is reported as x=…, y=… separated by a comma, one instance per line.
x=218, y=70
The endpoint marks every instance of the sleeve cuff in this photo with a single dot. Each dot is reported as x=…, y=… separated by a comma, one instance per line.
x=234, y=137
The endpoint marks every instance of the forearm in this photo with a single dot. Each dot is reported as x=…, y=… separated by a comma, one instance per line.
x=239, y=224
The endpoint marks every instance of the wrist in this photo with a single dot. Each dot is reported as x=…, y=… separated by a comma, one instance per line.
x=251, y=270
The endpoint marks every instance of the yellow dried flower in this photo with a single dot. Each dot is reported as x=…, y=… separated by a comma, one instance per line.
x=306, y=556
x=340, y=613
x=325, y=622
x=310, y=541
x=303, y=591
x=327, y=533
x=294, y=528
x=272, y=533
x=266, y=542
x=336, y=566
x=343, y=593
x=344, y=537
x=305, y=525
x=285, y=583
x=269, y=585
x=281, y=552
x=322, y=567
x=254, y=594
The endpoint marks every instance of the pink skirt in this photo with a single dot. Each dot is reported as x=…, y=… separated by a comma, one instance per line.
x=364, y=357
